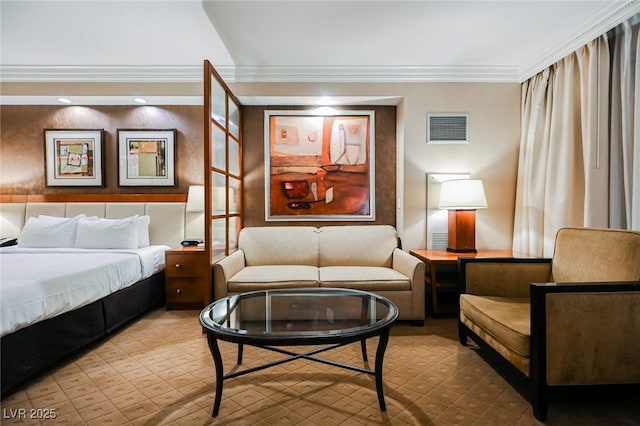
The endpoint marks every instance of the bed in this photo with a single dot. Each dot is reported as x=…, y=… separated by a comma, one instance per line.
x=57, y=300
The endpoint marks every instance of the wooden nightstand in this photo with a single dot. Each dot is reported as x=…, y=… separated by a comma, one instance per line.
x=186, y=277
x=441, y=276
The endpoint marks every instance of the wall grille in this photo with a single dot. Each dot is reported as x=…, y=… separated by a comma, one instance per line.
x=448, y=128
x=439, y=240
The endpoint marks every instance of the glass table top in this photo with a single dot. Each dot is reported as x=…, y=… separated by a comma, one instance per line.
x=299, y=313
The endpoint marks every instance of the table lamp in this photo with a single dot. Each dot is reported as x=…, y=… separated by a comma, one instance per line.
x=462, y=198
x=195, y=198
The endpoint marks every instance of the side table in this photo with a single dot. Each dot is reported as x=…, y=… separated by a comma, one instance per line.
x=441, y=276
x=186, y=278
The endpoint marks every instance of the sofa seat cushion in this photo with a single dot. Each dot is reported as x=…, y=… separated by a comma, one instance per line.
x=368, y=278
x=252, y=278
x=507, y=319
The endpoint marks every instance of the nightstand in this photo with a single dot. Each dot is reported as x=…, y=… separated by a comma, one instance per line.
x=186, y=277
x=441, y=277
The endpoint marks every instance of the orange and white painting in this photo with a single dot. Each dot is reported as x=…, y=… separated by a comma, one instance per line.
x=319, y=167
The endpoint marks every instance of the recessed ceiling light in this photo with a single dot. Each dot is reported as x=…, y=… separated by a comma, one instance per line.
x=65, y=100
x=325, y=100
x=325, y=110
x=140, y=100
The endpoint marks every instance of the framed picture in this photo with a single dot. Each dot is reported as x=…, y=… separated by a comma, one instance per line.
x=146, y=157
x=319, y=167
x=74, y=157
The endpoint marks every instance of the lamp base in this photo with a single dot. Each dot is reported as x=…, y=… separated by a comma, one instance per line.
x=462, y=231
x=463, y=250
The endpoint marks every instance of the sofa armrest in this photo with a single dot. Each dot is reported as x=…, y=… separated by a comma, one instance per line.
x=408, y=265
x=503, y=277
x=224, y=269
x=411, y=267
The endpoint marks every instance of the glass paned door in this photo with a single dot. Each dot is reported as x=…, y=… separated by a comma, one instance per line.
x=224, y=165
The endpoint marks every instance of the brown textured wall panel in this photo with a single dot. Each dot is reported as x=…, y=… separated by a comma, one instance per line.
x=253, y=162
x=22, y=150
x=22, y=143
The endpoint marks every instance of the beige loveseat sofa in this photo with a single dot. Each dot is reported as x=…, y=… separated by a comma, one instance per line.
x=364, y=257
x=567, y=321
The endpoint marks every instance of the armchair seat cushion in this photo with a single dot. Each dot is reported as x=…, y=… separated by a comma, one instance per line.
x=254, y=278
x=370, y=278
x=506, y=319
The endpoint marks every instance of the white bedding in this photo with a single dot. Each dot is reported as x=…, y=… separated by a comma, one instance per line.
x=40, y=283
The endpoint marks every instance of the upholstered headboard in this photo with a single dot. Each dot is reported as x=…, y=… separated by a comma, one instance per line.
x=170, y=222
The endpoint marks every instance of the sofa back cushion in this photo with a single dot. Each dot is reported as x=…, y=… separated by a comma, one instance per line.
x=364, y=245
x=279, y=245
x=596, y=255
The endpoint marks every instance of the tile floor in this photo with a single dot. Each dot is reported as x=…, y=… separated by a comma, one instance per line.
x=158, y=370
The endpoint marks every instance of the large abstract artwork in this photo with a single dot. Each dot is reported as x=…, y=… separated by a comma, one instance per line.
x=319, y=167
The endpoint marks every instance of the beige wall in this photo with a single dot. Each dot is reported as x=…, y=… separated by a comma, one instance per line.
x=491, y=155
x=22, y=143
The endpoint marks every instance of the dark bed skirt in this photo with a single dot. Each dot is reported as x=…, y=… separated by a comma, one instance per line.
x=30, y=350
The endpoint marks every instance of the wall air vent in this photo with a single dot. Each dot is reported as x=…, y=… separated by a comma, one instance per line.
x=439, y=240
x=447, y=128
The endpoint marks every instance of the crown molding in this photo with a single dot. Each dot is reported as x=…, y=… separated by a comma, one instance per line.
x=101, y=73
x=230, y=73
x=368, y=74
x=609, y=18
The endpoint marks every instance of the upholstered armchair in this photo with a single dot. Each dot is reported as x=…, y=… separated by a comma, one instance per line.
x=567, y=321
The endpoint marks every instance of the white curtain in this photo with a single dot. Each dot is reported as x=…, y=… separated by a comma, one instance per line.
x=624, y=202
x=563, y=165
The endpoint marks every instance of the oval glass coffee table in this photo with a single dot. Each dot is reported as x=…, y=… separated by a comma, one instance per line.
x=299, y=317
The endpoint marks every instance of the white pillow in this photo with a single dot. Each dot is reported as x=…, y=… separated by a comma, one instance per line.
x=143, y=228
x=43, y=218
x=49, y=231
x=143, y=231
x=107, y=233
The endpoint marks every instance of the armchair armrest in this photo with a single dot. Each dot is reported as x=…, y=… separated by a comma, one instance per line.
x=503, y=277
x=224, y=269
x=584, y=333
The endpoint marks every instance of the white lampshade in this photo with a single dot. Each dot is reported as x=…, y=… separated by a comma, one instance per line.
x=462, y=194
x=195, y=198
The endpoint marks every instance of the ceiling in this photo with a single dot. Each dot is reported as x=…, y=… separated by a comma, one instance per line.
x=165, y=41
x=405, y=40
